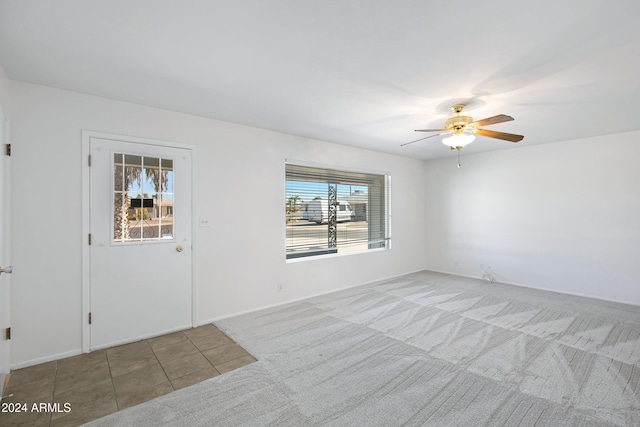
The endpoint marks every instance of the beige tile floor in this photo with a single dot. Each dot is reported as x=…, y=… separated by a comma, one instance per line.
x=105, y=381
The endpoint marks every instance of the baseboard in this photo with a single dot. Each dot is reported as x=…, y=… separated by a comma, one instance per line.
x=143, y=337
x=46, y=359
x=539, y=288
x=253, y=310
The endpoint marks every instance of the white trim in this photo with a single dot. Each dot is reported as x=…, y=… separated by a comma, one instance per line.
x=5, y=138
x=86, y=254
x=45, y=359
x=253, y=310
x=334, y=255
x=142, y=337
x=539, y=288
x=135, y=139
x=389, y=219
x=194, y=225
x=335, y=167
x=279, y=304
x=86, y=223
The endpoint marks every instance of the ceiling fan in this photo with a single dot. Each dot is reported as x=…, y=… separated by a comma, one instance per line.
x=462, y=130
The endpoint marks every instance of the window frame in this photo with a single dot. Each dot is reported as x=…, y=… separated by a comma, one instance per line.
x=142, y=240
x=381, y=196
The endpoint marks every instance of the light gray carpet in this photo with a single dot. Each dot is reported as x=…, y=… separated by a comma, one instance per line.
x=426, y=349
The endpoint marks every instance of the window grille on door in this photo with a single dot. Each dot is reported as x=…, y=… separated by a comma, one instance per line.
x=142, y=198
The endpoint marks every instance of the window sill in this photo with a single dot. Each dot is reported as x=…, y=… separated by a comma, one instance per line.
x=341, y=253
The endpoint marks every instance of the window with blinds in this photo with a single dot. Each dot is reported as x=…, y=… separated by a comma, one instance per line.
x=332, y=211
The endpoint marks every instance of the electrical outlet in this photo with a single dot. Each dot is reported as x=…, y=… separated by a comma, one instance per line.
x=204, y=222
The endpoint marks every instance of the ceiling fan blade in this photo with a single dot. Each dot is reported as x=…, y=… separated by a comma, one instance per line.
x=492, y=120
x=426, y=137
x=511, y=137
x=429, y=130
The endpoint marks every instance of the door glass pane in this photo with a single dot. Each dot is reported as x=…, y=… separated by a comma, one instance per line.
x=143, y=198
x=118, y=180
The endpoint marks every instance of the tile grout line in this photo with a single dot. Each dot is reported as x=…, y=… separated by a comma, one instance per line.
x=53, y=392
x=215, y=337
x=113, y=386
x=160, y=363
x=202, y=354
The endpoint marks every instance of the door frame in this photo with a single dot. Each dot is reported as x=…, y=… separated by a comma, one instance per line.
x=5, y=205
x=87, y=135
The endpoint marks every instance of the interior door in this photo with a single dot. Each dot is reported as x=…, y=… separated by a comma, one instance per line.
x=5, y=294
x=140, y=241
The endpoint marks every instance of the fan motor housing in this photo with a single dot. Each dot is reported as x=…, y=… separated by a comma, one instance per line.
x=457, y=122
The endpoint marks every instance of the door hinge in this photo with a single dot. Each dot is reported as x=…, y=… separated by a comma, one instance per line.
x=89, y=317
x=89, y=239
x=7, y=149
x=7, y=334
x=89, y=161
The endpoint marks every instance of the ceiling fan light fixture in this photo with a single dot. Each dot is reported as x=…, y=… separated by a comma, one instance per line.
x=458, y=140
x=462, y=130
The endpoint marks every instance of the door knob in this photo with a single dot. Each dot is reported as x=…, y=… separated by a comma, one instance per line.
x=179, y=248
x=8, y=270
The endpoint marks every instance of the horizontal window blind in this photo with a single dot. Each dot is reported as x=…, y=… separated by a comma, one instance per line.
x=334, y=211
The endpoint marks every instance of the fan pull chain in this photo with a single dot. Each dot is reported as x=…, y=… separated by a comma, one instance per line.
x=458, y=158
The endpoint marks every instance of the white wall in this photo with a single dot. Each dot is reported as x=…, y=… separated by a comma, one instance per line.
x=562, y=216
x=240, y=258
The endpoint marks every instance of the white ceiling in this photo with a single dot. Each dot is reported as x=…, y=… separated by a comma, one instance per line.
x=359, y=72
